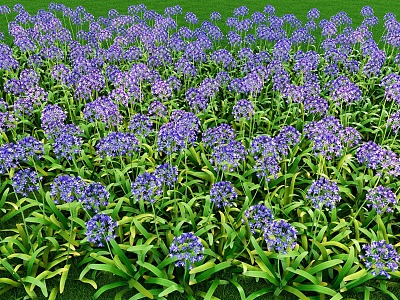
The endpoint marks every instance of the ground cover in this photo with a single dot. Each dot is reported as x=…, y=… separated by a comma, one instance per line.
x=183, y=153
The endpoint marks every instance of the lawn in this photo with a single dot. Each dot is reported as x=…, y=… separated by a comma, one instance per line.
x=131, y=168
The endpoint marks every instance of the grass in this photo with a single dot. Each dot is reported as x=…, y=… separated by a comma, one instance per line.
x=327, y=8
x=78, y=290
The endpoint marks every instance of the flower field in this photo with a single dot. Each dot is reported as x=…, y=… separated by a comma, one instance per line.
x=177, y=155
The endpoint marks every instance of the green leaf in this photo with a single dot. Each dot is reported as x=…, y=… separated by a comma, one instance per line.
x=140, y=288
x=325, y=265
x=321, y=290
x=207, y=274
x=304, y=275
x=34, y=281
x=343, y=272
x=108, y=287
x=122, y=256
x=171, y=289
x=64, y=278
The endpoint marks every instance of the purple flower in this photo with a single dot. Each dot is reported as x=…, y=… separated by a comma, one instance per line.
x=9, y=157
x=220, y=135
x=379, y=257
x=102, y=109
x=161, y=90
x=147, y=188
x=393, y=121
x=367, y=11
x=100, y=229
x=67, y=188
x=316, y=105
x=215, y=16
x=68, y=141
x=222, y=193
x=141, y=125
x=287, y=137
x=191, y=18
x=167, y=174
x=197, y=101
x=117, y=144
x=29, y=147
x=228, y=156
x=279, y=236
x=382, y=199
x=258, y=217
x=378, y=158
x=241, y=11
x=157, y=110
x=26, y=181
x=7, y=121
x=265, y=153
x=179, y=133
x=94, y=196
x=53, y=118
x=313, y=14
x=243, y=109
x=186, y=249
x=323, y=192
x=326, y=136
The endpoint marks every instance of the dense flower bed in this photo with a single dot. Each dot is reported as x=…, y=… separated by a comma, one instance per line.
x=167, y=154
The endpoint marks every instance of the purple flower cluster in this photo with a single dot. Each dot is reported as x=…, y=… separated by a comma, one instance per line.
x=67, y=141
x=382, y=199
x=393, y=121
x=342, y=90
x=258, y=217
x=67, y=188
x=378, y=158
x=265, y=153
x=141, y=125
x=94, y=196
x=100, y=229
x=157, y=110
x=279, y=235
x=117, y=144
x=228, y=156
x=323, y=192
x=167, y=174
x=380, y=256
x=180, y=132
x=222, y=193
x=53, y=118
x=186, y=249
x=219, y=135
x=330, y=138
x=102, y=109
x=147, y=188
x=26, y=181
x=243, y=109
x=288, y=137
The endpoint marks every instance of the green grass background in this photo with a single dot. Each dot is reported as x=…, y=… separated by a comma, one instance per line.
x=74, y=288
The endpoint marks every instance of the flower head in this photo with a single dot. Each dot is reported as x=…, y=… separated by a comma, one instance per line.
x=258, y=217
x=147, y=188
x=26, y=181
x=167, y=174
x=382, y=199
x=186, y=249
x=323, y=192
x=280, y=235
x=67, y=188
x=100, y=229
x=94, y=196
x=379, y=257
x=243, y=109
x=222, y=193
